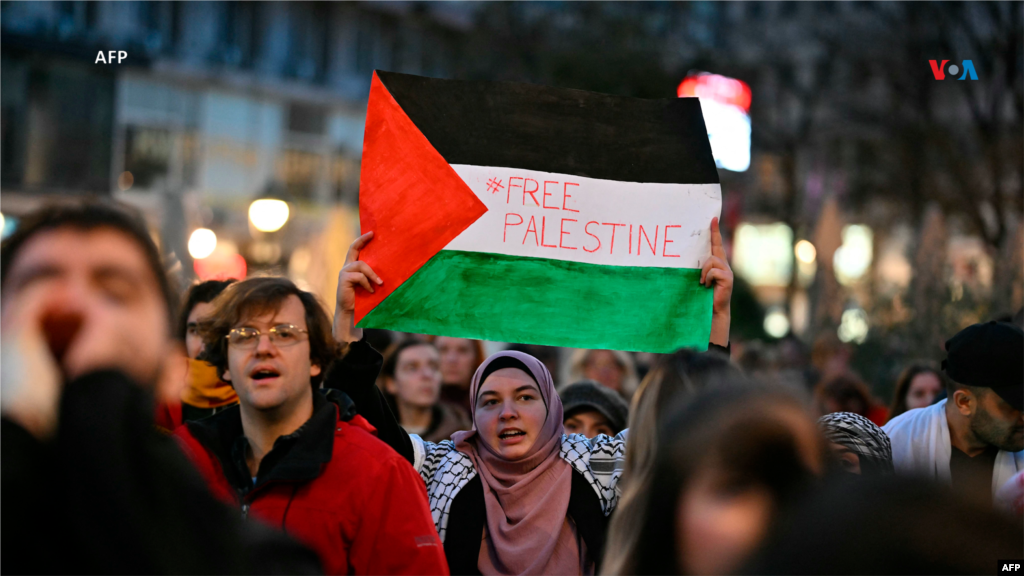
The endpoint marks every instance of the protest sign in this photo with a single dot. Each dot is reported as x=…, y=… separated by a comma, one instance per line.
x=522, y=213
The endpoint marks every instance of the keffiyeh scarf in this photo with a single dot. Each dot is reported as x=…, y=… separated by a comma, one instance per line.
x=862, y=436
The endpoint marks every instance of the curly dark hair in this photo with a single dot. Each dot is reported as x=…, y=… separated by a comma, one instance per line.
x=200, y=293
x=257, y=296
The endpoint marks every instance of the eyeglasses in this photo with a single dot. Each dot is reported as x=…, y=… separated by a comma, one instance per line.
x=282, y=336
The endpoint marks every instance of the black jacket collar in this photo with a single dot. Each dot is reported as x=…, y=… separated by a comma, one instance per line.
x=296, y=457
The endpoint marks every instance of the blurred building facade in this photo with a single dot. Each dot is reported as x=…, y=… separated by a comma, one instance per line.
x=908, y=188
x=215, y=105
x=881, y=205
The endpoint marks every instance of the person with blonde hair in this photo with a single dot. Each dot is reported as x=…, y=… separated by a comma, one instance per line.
x=673, y=377
x=614, y=369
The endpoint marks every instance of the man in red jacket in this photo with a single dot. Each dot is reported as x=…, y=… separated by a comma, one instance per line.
x=299, y=459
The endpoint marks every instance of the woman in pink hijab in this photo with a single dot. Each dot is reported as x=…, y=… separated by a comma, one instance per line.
x=514, y=495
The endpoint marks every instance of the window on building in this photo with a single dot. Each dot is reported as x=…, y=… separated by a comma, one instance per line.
x=307, y=119
x=438, y=58
x=237, y=33
x=91, y=15
x=57, y=126
x=366, y=36
x=147, y=156
x=755, y=10
x=307, y=35
x=300, y=171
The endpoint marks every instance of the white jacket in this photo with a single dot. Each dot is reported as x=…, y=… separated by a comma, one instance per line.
x=921, y=446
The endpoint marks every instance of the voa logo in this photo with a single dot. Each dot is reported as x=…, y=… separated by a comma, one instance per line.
x=939, y=70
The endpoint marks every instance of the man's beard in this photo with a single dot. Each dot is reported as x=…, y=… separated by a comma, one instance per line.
x=996, y=433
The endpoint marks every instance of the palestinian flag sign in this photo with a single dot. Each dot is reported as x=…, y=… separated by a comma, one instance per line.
x=522, y=213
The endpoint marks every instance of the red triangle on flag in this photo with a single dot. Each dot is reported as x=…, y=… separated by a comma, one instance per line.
x=409, y=196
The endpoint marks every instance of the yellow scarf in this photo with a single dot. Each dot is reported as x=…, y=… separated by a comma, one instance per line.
x=204, y=388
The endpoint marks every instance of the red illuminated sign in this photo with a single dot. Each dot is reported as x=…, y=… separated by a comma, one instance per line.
x=718, y=88
x=218, y=267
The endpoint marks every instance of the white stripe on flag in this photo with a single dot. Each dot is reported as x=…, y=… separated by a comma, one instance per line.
x=565, y=217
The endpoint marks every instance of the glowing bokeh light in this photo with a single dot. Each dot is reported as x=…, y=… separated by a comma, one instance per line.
x=202, y=243
x=268, y=215
x=776, y=324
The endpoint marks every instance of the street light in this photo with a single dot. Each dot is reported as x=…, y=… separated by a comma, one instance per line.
x=852, y=260
x=268, y=215
x=202, y=243
x=776, y=324
x=805, y=251
x=853, y=327
x=806, y=255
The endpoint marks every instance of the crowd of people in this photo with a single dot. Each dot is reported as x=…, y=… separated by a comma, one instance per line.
x=240, y=428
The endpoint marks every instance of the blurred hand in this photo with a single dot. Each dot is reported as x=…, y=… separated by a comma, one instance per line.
x=717, y=272
x=353, y=273
x=30, y=379
x=107, y=340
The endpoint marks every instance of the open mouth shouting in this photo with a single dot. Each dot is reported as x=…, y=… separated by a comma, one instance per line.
x=264, y=374
x=510, y=436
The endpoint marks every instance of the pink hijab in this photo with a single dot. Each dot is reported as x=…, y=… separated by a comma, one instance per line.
x=526, y=500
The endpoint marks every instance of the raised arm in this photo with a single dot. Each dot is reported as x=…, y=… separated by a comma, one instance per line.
x=716, y=272
x=356, y=373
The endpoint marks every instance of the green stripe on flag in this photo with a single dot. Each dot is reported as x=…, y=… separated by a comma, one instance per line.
x=553, y=302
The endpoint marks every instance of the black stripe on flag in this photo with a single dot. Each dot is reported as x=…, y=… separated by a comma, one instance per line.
x=559, y=130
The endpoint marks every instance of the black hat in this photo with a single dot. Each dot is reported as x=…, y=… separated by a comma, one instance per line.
x=990, y=355
x=593, y=396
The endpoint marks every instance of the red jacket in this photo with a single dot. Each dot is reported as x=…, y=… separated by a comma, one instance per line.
x=332, y=485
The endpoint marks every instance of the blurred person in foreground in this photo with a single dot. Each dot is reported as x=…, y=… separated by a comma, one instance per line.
x=974, y=439
x=204, y=393
x=1010, y=497
x=889, y=525
x=612, y=368
x=297, y=458
x=918, y=386
x=515, y=495
x=673, y=378
x=857, y=445
x=591, y=409
x=412, y=380
x=460, y=357
x=86, y=337
x=734, y=462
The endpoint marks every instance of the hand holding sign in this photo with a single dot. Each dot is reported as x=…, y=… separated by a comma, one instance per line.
x=717, y=272
x=354, y=273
